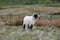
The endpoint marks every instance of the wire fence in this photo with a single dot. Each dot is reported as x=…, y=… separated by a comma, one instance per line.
x=11, y=18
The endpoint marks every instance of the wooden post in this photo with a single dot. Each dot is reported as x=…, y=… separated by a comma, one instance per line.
x=10, y=18
x=1, y=16
x=50, y=19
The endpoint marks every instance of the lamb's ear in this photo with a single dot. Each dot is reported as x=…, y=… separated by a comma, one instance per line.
x=33, y=14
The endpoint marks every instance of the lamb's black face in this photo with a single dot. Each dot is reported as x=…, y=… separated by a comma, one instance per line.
x=35, y=16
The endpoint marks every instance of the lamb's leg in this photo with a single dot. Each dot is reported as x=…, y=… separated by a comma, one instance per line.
x=31, y=26
x=24, y=26
x=28, y=26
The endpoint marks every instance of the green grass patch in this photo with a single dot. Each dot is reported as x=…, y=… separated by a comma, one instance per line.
x=16, y=33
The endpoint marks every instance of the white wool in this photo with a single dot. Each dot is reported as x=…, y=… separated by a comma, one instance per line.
x=29, y=20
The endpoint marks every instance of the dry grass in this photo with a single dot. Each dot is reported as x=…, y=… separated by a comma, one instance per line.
x=42, y=22
x=31, y=9
x=55, y=22
x=13, y=21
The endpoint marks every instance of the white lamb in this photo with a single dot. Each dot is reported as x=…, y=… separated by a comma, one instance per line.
x=29, y=21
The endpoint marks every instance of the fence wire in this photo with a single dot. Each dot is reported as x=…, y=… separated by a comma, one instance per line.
x=18, y=16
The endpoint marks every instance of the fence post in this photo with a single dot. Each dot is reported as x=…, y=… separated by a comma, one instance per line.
x=10, y=18
x=40, y=17
x=1, y=16
x=50, y=20
x=19, y=16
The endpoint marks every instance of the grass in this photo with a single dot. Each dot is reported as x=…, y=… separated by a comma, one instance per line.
x=39, y=33
x=24, y=9
x=48, y=17
x=44, y=20
x=55, y=16
x=11, y=6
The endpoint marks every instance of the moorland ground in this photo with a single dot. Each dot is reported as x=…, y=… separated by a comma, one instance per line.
x=39, y=33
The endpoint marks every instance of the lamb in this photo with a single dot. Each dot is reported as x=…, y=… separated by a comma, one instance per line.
x=29, y=21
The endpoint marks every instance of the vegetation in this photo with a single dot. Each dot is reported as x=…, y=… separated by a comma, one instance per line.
x=39, y=33
x=28, y=2
x=28, y=7
x=23, y=10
